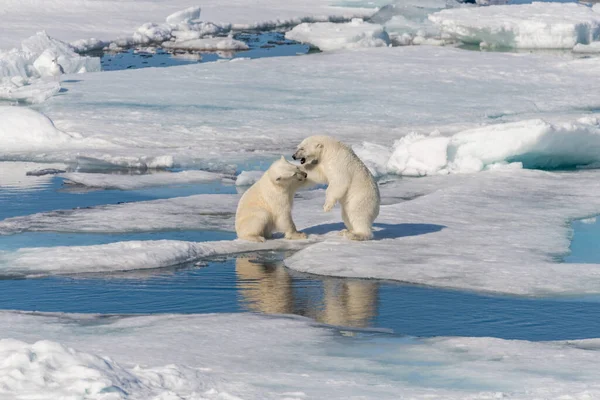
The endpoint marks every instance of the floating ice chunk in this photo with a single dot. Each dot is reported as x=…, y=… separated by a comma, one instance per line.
x=534, y=144
x=131, y=182
x=536, y=25
x=45, y=49
x=126, y=256
x=85, y=45
x=589, y=221
x=593, y=47
x=152, y=33
x=208, y=212
x=247, y=178
x=502, y=232
x=184, y=16
x=372, y=154
x=207, y=44
x=25, y=129
x=329, y=36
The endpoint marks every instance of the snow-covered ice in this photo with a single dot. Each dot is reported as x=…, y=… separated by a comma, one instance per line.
x=126, y=255
x=208, y=117
x=102, y=357
x=132, y=182
x=497, y=231
x=247, y=178
x=532, y=144
x=328, y=36
x=107, y=20
x=593, y=48
x=209, y=212
x=207, y=44
x=528, y=26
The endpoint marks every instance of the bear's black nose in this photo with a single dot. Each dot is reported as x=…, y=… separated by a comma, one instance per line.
x=294, y=156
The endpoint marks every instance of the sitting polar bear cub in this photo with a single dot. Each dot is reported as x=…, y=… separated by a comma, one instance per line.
x=349, y=182
x=267, y=206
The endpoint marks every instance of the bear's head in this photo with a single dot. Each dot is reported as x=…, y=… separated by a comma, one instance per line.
x=284, y=173
x=310, y=151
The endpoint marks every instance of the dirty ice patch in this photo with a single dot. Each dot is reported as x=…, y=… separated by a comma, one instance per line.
x=502, y=232
x=528, y=26
x=125, y=256
x=72, y=354
x=132, y=182
x=206, y=212
x=533, y=144
x=328, y=36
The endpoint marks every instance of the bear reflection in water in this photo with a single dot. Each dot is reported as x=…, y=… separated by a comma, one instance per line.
x=268, y=287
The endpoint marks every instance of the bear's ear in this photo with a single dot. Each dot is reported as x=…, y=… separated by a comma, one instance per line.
x=278, y=178
x=282, y=158
x=319, y=145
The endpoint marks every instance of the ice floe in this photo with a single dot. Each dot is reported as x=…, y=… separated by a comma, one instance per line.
x=417, y=90
x=102, y=357
x=496, y=231
x=328, y=36
x=247, y=178
x=529, y=26
x=534, y=144
x=592, y=48
x=131, y=182
x=207, y=44
x=125, y=256
x=21, y=175
x=208, y=212
x=106, y=22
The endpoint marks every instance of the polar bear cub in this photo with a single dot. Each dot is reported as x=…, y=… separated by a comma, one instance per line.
x=350, y=183
x=267, y=206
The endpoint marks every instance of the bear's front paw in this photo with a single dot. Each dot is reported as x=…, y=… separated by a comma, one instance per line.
x=296, y=236
x=328, y=206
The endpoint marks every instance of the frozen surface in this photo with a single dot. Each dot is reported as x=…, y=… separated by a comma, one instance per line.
x=497, y=231
x=13, y=175
x=106, y=20
x=131, y=182
x=125, y=256
x=424, y=89
x=208, y=212
x=328, y=36
x=207, y=44
x=530, y=26
x=531, y=144
x=247, y=178
x=593, y=47
x=103, y=357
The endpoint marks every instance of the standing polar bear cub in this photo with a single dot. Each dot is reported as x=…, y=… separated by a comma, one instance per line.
x=267, y=206
x=331, y=162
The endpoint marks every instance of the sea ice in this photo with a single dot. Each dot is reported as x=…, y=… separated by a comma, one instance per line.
x=328, y=36
x=529, y=26
x=593, y=47
x=497, y=231
x=102, y=357
x=534, y=144
x=209, y=212
x=207, y=44
x=14, y=175
x=417, y=90
x=247, y=178
x=107, y=21
x=132, y=182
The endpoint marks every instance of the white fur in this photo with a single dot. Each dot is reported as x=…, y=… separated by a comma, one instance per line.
x=350, y=183
x=267, y=206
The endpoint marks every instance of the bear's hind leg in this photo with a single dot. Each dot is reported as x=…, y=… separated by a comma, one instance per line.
x=255, y=228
